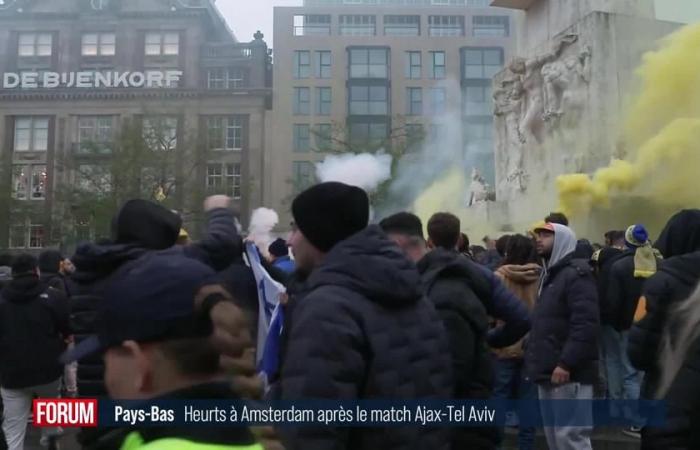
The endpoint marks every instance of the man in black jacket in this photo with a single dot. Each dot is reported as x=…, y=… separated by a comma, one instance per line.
x=139, y=227
x=452, y=282
x=33, y=328
x=562, y=350
x=678, y=275
x=154, y=329
x=357, y=325
x=626, y=275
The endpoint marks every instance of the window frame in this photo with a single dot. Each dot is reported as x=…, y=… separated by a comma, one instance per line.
x=32, y=133
x=161, y=44
x=99, y=44
x=301, y=106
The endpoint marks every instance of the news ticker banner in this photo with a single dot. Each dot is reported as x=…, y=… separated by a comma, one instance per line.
x=365, y=413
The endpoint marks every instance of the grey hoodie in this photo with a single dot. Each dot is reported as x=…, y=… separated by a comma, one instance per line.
x=564, y=243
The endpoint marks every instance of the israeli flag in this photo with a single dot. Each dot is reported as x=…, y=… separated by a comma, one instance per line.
x=269, y=292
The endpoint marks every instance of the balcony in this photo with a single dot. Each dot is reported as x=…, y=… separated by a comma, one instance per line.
x=313, y=30
x=227, y=51
x=514, y=4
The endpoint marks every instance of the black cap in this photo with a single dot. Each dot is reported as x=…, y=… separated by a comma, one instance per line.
x=147, y=224
x=149, y=300
x=330, y=212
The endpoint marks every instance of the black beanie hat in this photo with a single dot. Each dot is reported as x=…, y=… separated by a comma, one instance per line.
x=147, y=224
x=330, y=212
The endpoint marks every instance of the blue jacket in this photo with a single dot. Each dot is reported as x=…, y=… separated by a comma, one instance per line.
x=285, y=264
x=502, y=304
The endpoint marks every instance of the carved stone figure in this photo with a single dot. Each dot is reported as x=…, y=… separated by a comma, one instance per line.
x=532, y=80
x=564, y=84
x=479, y=189
x=508, y=109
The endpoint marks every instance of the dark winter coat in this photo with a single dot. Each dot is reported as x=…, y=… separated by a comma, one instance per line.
x=33, y=329
x=674, y=282
x=96, y=263
x=565, y=324
x=448, y=278
x=607, y=257
x=623, y=292
x=360, y=327
x=55, y=280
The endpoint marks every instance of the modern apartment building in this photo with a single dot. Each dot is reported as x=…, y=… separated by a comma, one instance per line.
x=155, y=97
x=381, y=72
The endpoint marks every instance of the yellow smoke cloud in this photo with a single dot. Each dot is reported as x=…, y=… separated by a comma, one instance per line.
x=444, y=195
x=662, y=131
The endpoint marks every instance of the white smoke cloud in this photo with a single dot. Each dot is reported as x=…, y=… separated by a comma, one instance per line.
x=363, y=170
x=262, y=222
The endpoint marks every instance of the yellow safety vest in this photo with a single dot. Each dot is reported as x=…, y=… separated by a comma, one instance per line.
x=134, y=441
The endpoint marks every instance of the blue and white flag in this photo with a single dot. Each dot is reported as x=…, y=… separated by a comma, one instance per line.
x=269, y=292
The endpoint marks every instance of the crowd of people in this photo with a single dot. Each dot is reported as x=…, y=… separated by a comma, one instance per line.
x=393, y=310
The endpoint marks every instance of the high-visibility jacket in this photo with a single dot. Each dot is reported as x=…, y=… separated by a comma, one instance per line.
x=134, y=441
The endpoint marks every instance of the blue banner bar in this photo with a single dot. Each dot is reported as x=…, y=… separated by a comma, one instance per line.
x=380, y=413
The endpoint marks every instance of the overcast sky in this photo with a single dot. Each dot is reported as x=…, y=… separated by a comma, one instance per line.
x=245, y=17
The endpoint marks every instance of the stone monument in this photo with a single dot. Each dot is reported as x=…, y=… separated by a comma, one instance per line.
x=558, y=103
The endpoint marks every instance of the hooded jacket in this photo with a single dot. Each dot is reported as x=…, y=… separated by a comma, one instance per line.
x=623, y=292
x=675, y=280
x=157, y=228
x=523, y=281
x=359, y=327
x=33, y=326
x=448, y=279
x=565, y=319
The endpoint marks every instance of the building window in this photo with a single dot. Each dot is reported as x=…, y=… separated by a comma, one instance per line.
x=482, y=63
x=438, y=100
x=477, y=100
x=312, y=25
x=31, y=134
x=27, y=235
x=368, y=134
x=437, y=65
x=302, y=64
x=162, y=44
x=35, y=44
x=369, y=63
x=414, y=136
x=323, y=64
x=301, y=138
x=413, y=65
x=29, y=182
x=402, y=25
x=369, y=100
x=224, y=179
x=414, y=101
x=303, y=175
x=160, y=133
x=358, y=25
x=490, y=26
x=99, y=44
x=323, y=99
x=302, y=101
x=94, y=178
x=323, y=136
x=224, y=133
x=226, y=78
x=446, y=25
x=94, y=134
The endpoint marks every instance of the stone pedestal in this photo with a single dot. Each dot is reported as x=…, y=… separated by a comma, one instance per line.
x=558, y=106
